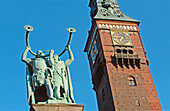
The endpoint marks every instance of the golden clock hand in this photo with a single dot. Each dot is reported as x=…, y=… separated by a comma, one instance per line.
x=121, y=38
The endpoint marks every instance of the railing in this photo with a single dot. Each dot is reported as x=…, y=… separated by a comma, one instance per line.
x=128, y=56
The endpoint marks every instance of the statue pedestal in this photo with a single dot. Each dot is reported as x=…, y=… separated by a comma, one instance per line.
x=56, y=107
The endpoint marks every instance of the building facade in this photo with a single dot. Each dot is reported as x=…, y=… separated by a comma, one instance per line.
x=119, y=66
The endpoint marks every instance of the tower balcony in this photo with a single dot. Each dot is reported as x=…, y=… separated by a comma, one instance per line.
x=127, y=56
x=126, y=60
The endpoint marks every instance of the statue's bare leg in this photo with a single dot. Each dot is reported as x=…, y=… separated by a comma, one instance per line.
x=49, y=90
x=57, y=92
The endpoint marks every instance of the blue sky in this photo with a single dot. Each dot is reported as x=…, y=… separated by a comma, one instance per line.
x=50, y=19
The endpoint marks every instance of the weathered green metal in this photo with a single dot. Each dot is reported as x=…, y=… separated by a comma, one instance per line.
x=71, y=30
x=111, y=16
x=108, y=10
x=48, y=78
x=28, y=28
x=61, y=77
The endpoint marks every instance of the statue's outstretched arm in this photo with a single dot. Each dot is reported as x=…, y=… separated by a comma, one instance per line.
x=51, y=59
x=71, y=58
x=24, y=55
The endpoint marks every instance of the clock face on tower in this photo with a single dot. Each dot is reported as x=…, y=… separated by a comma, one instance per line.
x=121, y=38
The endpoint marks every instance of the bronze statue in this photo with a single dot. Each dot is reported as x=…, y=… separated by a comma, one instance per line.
x=48, y=78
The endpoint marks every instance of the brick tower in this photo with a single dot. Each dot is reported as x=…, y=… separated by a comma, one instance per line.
x=119, y=66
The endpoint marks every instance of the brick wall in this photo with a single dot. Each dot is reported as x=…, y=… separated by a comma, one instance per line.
x=111, y=79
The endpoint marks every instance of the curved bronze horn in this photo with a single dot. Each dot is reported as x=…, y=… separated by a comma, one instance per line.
x=71, y=30
x=28, y=28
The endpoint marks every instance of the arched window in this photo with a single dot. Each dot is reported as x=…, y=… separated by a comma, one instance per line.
x=124, y=51
x=131, y=81
x=130, y=52
x=118, y=51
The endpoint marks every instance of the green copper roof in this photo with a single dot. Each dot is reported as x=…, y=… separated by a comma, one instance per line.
x=108, y=10
x=109, y=16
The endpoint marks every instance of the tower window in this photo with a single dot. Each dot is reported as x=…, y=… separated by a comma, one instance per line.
x=130, y=52
x=124, y=51
x=118, y=51
x=132, y=81
x=137, y=103
x=103, y=95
